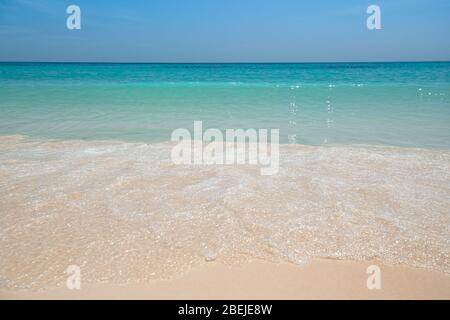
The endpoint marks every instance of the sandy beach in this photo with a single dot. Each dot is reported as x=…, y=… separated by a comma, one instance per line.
x=320, y=279
x=138, y=226
x=224, y=150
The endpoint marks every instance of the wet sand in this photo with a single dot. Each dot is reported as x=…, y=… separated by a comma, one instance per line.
x=125, y=214
x=320, y=279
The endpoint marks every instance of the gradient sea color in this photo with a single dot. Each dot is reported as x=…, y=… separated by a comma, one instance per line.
x=401, y=104
x=86, y=176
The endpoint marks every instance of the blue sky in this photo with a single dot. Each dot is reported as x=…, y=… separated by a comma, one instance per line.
x=224, y=31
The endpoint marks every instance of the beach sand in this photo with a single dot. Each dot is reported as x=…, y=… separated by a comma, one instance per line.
x=320, y=279
x=126, y=215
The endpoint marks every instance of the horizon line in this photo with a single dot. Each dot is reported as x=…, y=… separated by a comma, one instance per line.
x=216, y=62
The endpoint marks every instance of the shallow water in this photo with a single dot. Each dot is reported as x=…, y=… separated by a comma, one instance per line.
x=86, y=177
x=401, y=104
x=124, y=212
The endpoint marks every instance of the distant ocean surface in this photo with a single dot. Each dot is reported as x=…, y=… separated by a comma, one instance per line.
x=399, y=104
x=86, y=176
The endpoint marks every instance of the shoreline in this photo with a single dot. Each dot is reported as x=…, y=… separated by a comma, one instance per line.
x=319, y=279
x=8, y=138
x=115, y=210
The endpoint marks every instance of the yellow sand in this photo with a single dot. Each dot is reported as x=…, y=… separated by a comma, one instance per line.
x=321, y=279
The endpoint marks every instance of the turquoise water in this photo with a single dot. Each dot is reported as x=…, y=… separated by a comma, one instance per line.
x=125, y=212
x=401, y=104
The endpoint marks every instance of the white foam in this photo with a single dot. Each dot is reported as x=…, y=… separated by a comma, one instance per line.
x=124, y=212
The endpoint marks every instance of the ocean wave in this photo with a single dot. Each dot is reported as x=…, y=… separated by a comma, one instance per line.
x=124, y=212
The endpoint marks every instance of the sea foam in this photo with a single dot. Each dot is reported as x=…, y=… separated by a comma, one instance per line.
x=124, y=212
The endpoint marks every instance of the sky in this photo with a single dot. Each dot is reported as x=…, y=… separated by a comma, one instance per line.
x=224, y=31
